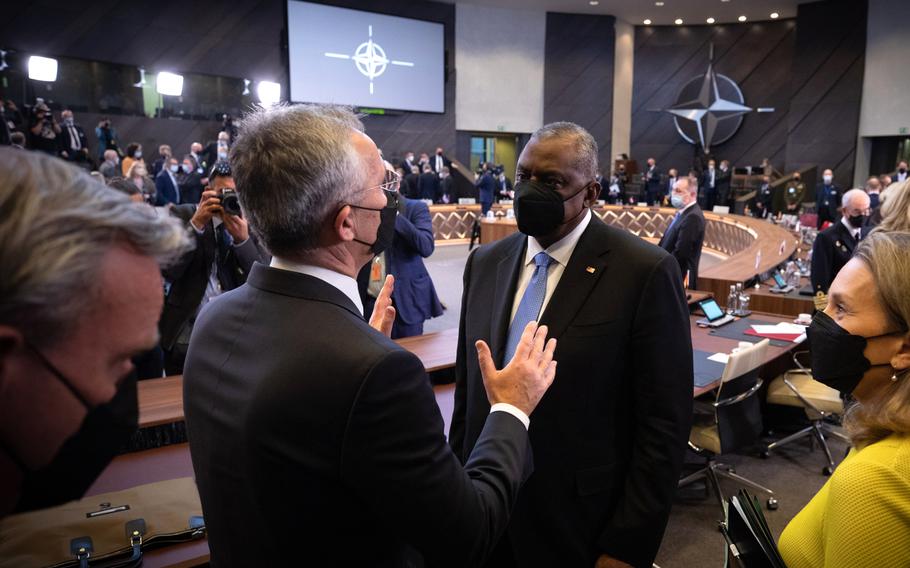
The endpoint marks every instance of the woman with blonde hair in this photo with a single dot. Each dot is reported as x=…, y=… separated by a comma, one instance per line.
x=860, y=344
x=138, y=174
x=895, y=207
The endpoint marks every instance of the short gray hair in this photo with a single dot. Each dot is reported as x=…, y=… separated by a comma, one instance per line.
x=294, y=166
x=585, y=145
x=852, y=194
x=56, y=226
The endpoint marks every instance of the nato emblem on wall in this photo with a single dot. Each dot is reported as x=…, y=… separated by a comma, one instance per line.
x=709, y=108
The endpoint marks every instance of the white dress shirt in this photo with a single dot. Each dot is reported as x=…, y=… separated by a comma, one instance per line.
x=348, y=286
x=560, y=251
x=853, y=230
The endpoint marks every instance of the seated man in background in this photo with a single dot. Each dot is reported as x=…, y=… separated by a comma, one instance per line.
x=320, y=442
x=835, y=245
x=686, y=233
x=69, y=325
x=223, y=256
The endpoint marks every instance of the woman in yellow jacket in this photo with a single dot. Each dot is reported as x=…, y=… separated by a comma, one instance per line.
x=860, y=344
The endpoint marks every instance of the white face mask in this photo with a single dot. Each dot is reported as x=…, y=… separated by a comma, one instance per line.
x=138, y=154
x=828, y=179
x=175, y=168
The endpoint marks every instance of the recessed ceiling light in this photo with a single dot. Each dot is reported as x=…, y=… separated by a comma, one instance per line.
x=678, y=21
x=658, y=3
x=741, y=18
x=647, y=22
x=710, y=20
x=594, y=2
x=724, y=0
x=775, y=15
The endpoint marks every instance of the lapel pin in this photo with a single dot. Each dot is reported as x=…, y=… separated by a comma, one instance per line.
x=590, y=269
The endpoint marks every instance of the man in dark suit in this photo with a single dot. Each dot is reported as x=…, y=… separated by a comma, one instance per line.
x=408, y=162
x=223, y=256
x=760, y=204
x=485, y=187
x=834, y=246
x=686, y=232
x=651, y=180
x=439, y=161
x=503, y=186
x=724, y=196
x=667, y=191
x=73, y=144
x=412, y=179
x=901, y=173
x=428, y=184
x=167, y=189
x=315, y=438
x=708, y=185
x=827, y=199
x=610, y=435
x=447, y=192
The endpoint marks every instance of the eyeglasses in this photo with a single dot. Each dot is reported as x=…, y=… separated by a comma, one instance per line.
x=389, y=187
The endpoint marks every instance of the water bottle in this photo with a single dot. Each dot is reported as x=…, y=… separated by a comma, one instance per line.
x=731, y=300
x=739, y=297
x=744, y=300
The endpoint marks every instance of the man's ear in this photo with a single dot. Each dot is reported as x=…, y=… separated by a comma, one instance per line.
x=592, y=193
x=343, y=225
x=11, y=340
x=901, y=359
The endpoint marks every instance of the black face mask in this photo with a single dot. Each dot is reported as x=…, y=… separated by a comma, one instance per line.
x=385, y=233
x=903, y=170
x=106, y=429
x=538, y=209
x=837, y=355
x=856, y=221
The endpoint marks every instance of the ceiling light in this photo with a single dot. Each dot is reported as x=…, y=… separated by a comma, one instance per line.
x=658, y=3
x=710, y=20
x=647, y=22
x=678, y=21
x=741, y=18
x=594, y=2
x=42, y=68
x=269, y=92
x=775, y=15
x=169, y=84
x=724, y=0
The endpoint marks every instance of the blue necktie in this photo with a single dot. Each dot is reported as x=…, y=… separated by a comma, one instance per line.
x=531, y=302
x=673, y=222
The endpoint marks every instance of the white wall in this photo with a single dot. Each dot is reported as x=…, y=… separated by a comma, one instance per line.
x=885, y=108
x=499, y=56
x=623, y=65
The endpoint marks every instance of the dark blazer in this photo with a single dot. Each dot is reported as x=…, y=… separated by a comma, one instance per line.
x=683, y=240
x=428, y=185
x=610, y=434
x=66, y=140
x=412, y=181
x=652, y=181
x=414, y=295
x=722, y=183
x=165, y=189
x=705, y=181
x=833, y=248
x=447, y=191
x=191, y=188
x=485, y=185
x=317, y=441
x=827, y=201
x=189, y=277
x=446, y=163
x=763, y=196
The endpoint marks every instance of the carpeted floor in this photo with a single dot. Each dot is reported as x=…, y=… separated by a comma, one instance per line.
x=692, y=539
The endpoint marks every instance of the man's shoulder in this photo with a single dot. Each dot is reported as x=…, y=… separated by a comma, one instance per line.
x=626, y=248
x=496, y=251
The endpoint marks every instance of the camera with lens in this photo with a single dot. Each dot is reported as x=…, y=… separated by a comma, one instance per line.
x=230, y=202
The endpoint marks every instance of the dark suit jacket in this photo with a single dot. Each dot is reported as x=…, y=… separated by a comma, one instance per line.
x=833, y=248
x=165, y=189
x=317, y=441
x=722, y=182
x=447, y=190
x=66, y=140
x=413, y=189
x=827, y=201
x=189, y=277
x=610, y=434
x=414, y=295
x=763, y=195
x=428, y=185
x=485, y=185
x=447, y=163
x=684, y=239
x=652, y=181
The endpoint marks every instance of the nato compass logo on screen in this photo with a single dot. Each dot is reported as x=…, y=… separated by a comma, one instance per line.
x=709, y=108
x=370, y=59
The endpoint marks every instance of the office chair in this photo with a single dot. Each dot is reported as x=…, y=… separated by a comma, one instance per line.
x=797, y=388
x=734, y=422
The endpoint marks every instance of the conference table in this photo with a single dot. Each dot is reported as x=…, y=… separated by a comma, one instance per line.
x=161, y=402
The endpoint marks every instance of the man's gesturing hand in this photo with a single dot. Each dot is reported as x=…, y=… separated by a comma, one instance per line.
x=523, y=382
x=383, y=312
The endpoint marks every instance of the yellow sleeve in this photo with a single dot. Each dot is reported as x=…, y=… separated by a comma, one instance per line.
x=867, y=522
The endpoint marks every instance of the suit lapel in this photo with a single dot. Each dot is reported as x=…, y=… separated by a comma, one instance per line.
x=586, y=266
x=503, y=295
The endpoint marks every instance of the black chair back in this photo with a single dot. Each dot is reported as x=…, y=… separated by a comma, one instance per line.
x=738, y=412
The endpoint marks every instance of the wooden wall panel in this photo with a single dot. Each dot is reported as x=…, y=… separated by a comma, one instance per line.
x=578, y=74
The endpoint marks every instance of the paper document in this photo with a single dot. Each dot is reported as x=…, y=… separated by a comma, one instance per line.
x=782, y=327
x=719, y=358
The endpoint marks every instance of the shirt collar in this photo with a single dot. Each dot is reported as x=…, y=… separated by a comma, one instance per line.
x=853, y=230
x=345, y=284
x=561, y=250
x=691, y=203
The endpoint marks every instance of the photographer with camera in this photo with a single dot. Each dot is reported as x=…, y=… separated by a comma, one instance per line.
x=224, y=254
x=107, y=138
x=43, y=130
